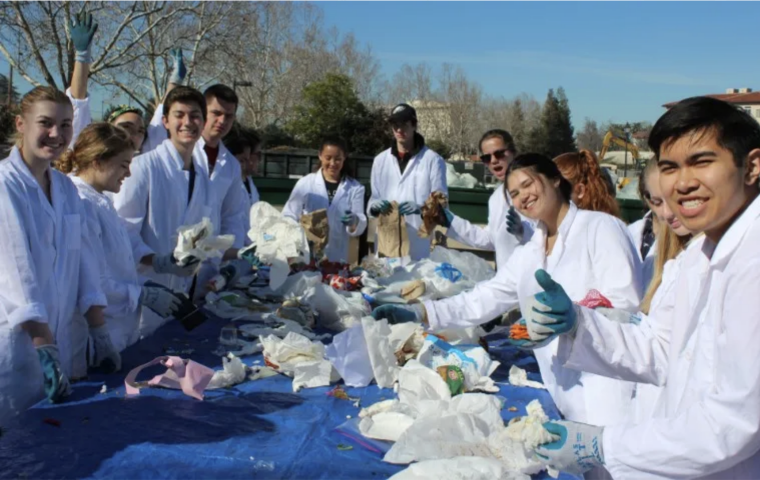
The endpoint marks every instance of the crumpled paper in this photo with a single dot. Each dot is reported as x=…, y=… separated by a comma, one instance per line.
x=519, y=378
x=199, y=241
x=433, y=213
x=298, y=357
x=470, y=468
x=515, y=445
x=232, y=373
x=317, y=230
x=278, y=240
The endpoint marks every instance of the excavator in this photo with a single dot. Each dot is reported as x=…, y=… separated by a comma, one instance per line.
x=609, y=139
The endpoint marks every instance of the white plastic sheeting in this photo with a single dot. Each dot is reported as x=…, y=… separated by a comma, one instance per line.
x=198, y=241
x=459, y=180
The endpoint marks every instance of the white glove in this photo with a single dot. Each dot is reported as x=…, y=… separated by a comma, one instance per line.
x=160, y=299
x=577, y=450
x=105, y=357
x=168, y=264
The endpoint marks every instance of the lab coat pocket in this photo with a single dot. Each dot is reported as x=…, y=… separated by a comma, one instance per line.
x=72, y=230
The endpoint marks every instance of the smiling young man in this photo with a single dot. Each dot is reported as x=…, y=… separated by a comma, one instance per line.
x=406, y=173
x=707, y=423
x=506, y=229
x=169, y=187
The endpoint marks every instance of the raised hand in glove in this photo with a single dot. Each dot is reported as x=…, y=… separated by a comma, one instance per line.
x=57, y=384
x=82, y=30
x=178, y=66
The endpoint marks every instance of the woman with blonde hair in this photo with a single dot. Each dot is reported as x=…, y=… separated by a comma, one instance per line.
x=46, y=270
x=590, y=191
x=99, y=163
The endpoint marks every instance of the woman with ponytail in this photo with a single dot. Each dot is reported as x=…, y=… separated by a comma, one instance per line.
x=590, y=191
x=99, y=163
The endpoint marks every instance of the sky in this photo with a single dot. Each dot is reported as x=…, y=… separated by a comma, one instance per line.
x=617, y=61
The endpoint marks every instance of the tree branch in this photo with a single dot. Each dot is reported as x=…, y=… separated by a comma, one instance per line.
x=33, y=44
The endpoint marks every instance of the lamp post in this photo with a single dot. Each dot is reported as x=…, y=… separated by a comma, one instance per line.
x=240, y=83
x=627, y=131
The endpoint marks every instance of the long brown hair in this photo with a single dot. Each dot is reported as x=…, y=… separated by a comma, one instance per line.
x=583, y=168
x=97, y=143
x=669, y=245
x=40, y=94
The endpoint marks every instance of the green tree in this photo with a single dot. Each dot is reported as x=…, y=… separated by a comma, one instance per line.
x=556, y=124
x=331, y=107
x=273, y=136
x=7, y=124
x=439, y=147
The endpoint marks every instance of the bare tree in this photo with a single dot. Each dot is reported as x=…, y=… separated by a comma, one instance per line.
x=409, y=84
x=463, y=99
x=590, y=137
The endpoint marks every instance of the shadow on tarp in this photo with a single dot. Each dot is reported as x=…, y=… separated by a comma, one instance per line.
x=140, y=430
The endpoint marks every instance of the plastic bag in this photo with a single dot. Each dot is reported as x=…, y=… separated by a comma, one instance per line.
x=199, y=241
x=278, y=240
x=471, y=468
x=473, y=360
x=349, y=355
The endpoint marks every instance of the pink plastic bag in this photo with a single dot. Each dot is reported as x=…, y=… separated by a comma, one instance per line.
x=594, y=299
x=186, y=375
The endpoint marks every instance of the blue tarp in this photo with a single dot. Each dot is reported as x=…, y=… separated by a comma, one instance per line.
x=259, y=429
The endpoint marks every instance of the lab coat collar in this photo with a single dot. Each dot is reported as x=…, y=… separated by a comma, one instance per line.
x=221, y=158
x=735, y=233
x=175, y=159
x=56, y=190
x=89, y=191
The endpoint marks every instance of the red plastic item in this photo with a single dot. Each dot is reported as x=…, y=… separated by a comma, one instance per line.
x=594, y=299
x=52, y=421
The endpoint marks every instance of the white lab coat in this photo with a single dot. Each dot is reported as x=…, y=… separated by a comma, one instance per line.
x=153, y=203
x=45, y=274
x=82, y=116
x=707, y=423
x=636, y=229
x=425, y=173
x=253, y=197
x=113, y=251
x=592, y=251
x=494, y=236
x=310, y=194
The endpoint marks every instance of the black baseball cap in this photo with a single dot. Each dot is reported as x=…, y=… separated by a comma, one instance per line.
x=403, y=112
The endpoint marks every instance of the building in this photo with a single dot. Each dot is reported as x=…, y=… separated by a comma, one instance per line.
x=433, y=118
x=743, y=98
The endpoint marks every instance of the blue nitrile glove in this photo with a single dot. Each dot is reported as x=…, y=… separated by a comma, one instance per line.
x=514, y=223
x=178, y=66
x=578, y=449
x=619, y=315
x=56, y=382
x=349, y=219
x=229, y=275
x=400, y=313
x=82, y=30
x=168, y=264
x=106, y=358
x=409, y=208
x=550, y=312
x=249, y=254
x=380, y=207
x=449, y=217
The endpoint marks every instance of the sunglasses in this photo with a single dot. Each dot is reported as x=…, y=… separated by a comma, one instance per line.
x=498, y=155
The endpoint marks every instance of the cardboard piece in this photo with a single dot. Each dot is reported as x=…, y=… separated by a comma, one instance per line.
x=317, y=229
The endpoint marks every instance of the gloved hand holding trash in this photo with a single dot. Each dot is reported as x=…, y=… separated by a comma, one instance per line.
x=56, y=382
x=577, y=447
x=229, y=275
x=551, y=312
x=409, y=208
x=400, y=313
x=249, y=254
x=168, y=264
x=160, y=299
x=380, y=207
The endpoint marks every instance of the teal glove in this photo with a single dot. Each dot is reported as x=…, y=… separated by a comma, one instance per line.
x=56, y=382
x=381, y=207
x=349, y=219
x=551, y=312
x=514, y=223
x=449, y=217
x=578, y=449
x=409, y=208
x=400, y=313
x=249, y=254
x=82, y=32
x=178, y=66
x=618, y=315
